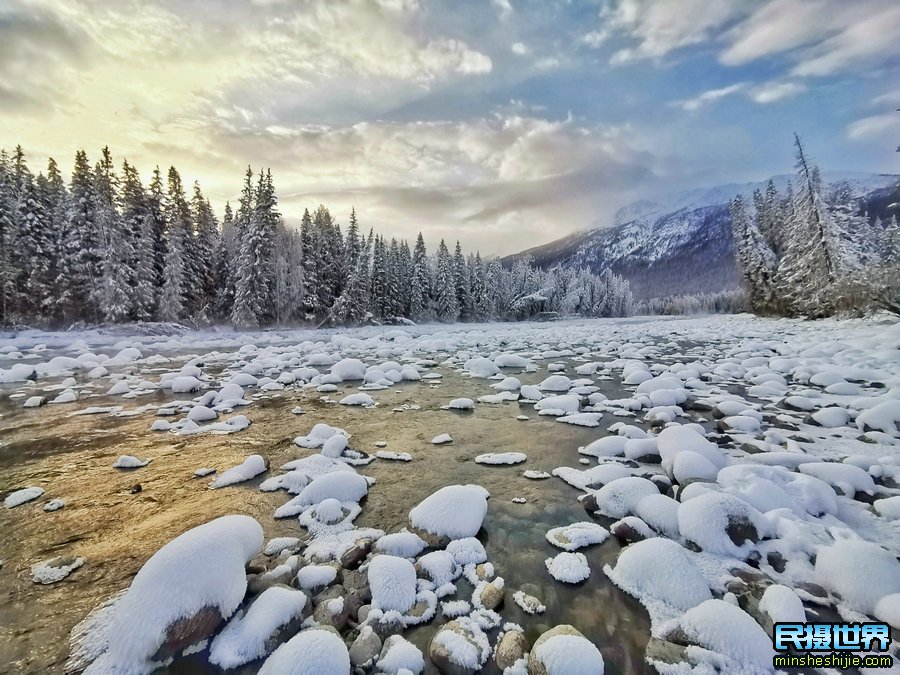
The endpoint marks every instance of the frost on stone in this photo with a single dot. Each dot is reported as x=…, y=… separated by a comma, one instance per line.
x=577, y=535
x=400, y=656
x=198, y=576
x=455, y=511
x=245, y=637
x=249, y=468
x=569, y=655
x=394, y=456
x=570, y=568
x=393, y=583
x=620, y=497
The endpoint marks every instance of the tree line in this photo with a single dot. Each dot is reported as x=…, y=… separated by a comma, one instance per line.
x=814, y=251
x=106, y=248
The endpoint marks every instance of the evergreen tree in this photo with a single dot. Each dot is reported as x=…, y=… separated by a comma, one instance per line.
x=226, y=265
x=206, y=238
x=138, y=227
x=79, y=269
x=311, y=255
x=462, y=284
x=419, y=285
x=446, y=305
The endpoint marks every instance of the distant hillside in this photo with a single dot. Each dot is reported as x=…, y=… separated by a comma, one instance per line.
x=682, y=244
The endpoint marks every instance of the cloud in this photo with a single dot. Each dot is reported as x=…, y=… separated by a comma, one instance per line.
x=595, y=39
x=770, y=92
x=520, y=49
x=662, y=26
x=884, y=128
x=710, y=96
x=817, y=37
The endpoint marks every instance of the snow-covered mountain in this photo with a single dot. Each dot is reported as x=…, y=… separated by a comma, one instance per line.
x=681, y=243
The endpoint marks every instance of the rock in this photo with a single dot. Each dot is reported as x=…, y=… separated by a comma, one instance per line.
x=512, y=647
x=740, y=529
x=442, y=658
x=188, y=631
x=136, y=488
x=776, y=561
x=363, y=613
x=365, y=647
x=493, y=593
x=354, y=556
x=279, y=575
x=331, y=608
x=387, y=626
x=484, y=572
x=663, y=651
x=625, y=533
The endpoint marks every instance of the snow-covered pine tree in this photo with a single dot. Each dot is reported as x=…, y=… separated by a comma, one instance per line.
x=178, y=292
x=419, y=286
x=138, y=225
x=404, y=271
x=462, y=284
x=206, y=242
x=755, y=258
x=79, y=269
x=246, y=311
x=288, y=291
x=311, y=256
x=266, y=220
x=446, y=305
x=156, y=197
x=33, y=246
x=379, y=283
x=113, y=293
x=393, y=284
x=226, y=262
x=8, y=272
x=811, y=263
x=478, y=288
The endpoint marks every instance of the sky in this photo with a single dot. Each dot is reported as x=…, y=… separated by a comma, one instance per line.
x=502, y=123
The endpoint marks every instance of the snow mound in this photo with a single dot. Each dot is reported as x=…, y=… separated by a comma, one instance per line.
x=401, y=544
x=129, y=462
x=570, y=568
x=721, y=523
x=847, y=478
x=782, y=604
x=395, y=456
x=454, y=511
x=501, y=458
x=858, y=571
x=359, y=399
x=249, y=468
x=200, y=570
x=481, y=367
x=675, y=439
x=393, y=583
x=400, y=657
x=244, y=638
x=22, y=496
x=570, y=655
x=441, y=439
x=556, y=383
x=727, y=630
x=620, y=497
x=344, y=486
x=314, y=651
x=318, y=435
x=349, y=369
x=663, y=577
x=577, y=535
x=316, y=576
x=461, y=404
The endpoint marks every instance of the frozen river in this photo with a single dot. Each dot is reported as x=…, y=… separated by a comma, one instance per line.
x=783, y=431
